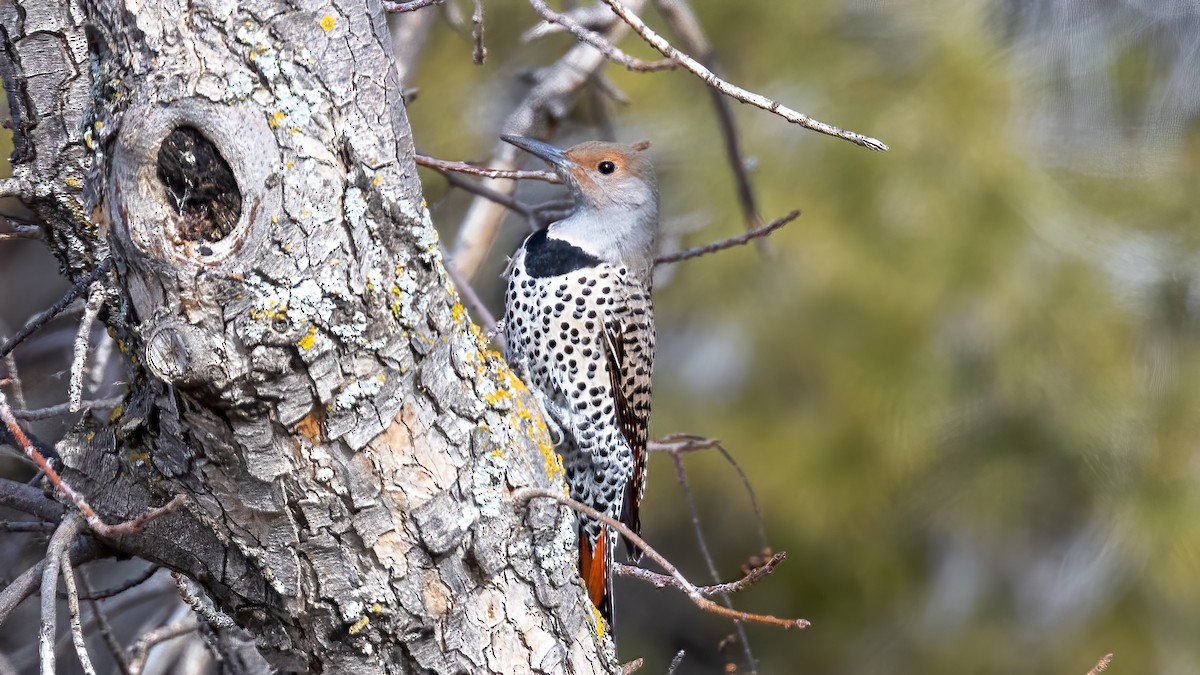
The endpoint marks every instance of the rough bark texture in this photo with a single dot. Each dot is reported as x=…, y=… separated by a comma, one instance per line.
x=300, y=366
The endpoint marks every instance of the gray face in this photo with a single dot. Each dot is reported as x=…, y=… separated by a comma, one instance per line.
x=616, y=217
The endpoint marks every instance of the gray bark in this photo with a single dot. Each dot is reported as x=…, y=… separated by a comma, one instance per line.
x=300, y=366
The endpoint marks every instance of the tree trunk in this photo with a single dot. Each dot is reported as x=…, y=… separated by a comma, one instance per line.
x=300, y=367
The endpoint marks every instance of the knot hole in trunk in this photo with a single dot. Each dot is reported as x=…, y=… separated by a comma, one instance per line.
x=200, y=186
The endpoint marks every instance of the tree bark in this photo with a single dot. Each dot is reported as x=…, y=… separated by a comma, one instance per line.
x=300, y=367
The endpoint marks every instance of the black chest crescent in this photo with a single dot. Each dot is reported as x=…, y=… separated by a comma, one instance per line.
x=549, y=257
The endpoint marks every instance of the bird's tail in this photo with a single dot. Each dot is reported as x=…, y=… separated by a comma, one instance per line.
x=595, y=567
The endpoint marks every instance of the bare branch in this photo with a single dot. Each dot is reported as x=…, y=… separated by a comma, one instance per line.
x=479, y=52
x=683, y=21
x=62, y=538
x=57, y=308
x=140, y=650
x=83, y=340
x=193, y=596
x=727, y=243
x=120, y=588
x=1102, y=665
x=733, y=91
x=675, y=662
x=65, y=409
x=410, y=6
x=689, y=589
x=665, y=581
x=68, y=575
x=103, y=626
x=633, y=666
x=443, y=165
x=610, y=51
x=26, y=526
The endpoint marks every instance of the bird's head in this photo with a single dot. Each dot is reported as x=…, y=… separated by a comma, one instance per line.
x=603, y=176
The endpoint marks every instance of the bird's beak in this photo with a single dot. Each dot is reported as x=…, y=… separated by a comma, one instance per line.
x=546, y=151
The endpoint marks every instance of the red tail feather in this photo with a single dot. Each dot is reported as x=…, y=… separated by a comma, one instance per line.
x=593, y=568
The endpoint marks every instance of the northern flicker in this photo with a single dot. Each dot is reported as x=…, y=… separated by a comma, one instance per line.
x=580, y=329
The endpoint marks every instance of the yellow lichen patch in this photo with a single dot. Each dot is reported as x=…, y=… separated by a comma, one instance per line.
x=74, y=182
x=377, y=608
x=116, y=413
x=362, y=623
x=378, y=180
x=598, y=620
x=327, y=23
x=277, y=118
x=309, y=338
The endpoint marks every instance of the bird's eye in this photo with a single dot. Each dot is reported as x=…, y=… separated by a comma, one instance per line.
x=606, y=167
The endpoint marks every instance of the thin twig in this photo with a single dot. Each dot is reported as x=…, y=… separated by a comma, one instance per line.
x=733, y=91
x=683, y=21
x=608, y=49
x=59, y=542
x=141, y=649
x=1102, y=665
x=65, y=409
x=68, y=575
x=675, y=662
x=26, y=526
x=12, y=377
x=444, y=165
x=83, y=340
x=195, y=598
x=723, y=244
x=633, y=666
x=689, y=589
x=665, y=581
x=103, y=626
x=410, y=6
x=479, y=52
x=57, y=308
x=124, y=586
x=683, y=443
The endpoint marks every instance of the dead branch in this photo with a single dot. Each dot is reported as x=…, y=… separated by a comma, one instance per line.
x=590, y=37
x=57, y=308
x=1102, y=665
x=102, y=624
x=68, y=575
x=26, y=526
x=688, y=588
x=126, y=585
x=727, y=243
x=83, y=340
x=410, y=6
x=141, y=649
x=733, y=91
x=479, y=51
x=681, y=19
x=675, y=662
x=62, y=538
x=65, y=409
x=665, y=581
x=444, y=165
x=633, y=666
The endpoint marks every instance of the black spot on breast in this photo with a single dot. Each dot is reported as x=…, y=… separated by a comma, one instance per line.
x=547, y=257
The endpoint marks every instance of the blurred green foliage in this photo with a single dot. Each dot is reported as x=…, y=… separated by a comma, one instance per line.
x=966, y=383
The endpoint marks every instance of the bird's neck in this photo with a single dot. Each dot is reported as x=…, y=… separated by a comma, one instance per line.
x=619, y=236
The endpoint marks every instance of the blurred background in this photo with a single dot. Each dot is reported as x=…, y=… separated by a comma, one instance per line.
x=964, y=385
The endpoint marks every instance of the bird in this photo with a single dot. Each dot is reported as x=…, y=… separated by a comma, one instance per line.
x=579, y=329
